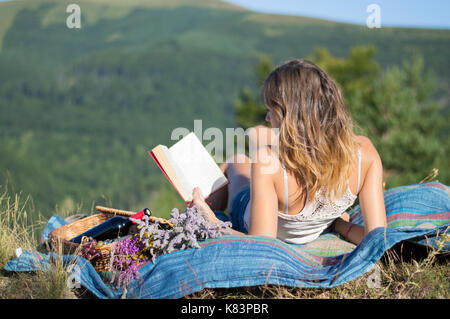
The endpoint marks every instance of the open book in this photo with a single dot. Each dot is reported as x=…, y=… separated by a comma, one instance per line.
x=187, y=164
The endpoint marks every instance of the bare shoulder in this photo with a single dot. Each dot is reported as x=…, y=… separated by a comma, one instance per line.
x=371, y=164
x=368, y=150
x=266, y=160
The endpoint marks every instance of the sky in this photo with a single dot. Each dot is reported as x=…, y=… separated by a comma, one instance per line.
x=398, y=13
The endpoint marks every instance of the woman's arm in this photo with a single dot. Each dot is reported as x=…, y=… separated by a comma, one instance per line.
x=263, y=197
x=371, y=198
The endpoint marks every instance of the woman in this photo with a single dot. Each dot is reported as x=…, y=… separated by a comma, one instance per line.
x=321, y=166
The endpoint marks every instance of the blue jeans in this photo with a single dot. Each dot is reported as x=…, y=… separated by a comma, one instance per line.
x=238, y=205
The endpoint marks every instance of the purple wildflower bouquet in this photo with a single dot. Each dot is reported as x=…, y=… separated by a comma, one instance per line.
x=152, y=241
x=127, y=256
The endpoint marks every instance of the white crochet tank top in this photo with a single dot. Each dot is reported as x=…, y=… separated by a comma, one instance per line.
x=314, y=218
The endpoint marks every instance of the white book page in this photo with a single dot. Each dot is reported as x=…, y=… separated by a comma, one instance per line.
x=197, y=165
x=178, y=172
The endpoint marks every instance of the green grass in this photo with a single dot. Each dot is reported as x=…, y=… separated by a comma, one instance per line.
x=19, y=230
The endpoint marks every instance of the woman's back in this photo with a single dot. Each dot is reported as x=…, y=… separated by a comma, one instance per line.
x=297, y=195
x=301, y=220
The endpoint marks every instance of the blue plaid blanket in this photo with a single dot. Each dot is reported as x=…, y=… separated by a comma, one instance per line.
x=418, y=213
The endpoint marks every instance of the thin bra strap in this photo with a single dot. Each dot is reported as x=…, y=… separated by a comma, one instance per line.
x=285, y=189
x=359, y=170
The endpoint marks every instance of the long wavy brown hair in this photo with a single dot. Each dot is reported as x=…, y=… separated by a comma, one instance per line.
x=316, y=139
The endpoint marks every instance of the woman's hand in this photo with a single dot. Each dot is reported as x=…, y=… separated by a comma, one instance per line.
x=203, y=208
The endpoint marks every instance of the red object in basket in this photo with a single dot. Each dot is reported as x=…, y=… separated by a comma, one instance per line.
x=141, y=214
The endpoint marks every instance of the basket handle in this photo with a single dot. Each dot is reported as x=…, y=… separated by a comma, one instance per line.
x=129, y=214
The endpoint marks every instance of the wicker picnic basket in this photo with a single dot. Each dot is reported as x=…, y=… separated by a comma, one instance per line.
x=61, y=236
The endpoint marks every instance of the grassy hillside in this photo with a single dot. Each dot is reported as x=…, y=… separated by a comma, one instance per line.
x=79, y=109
